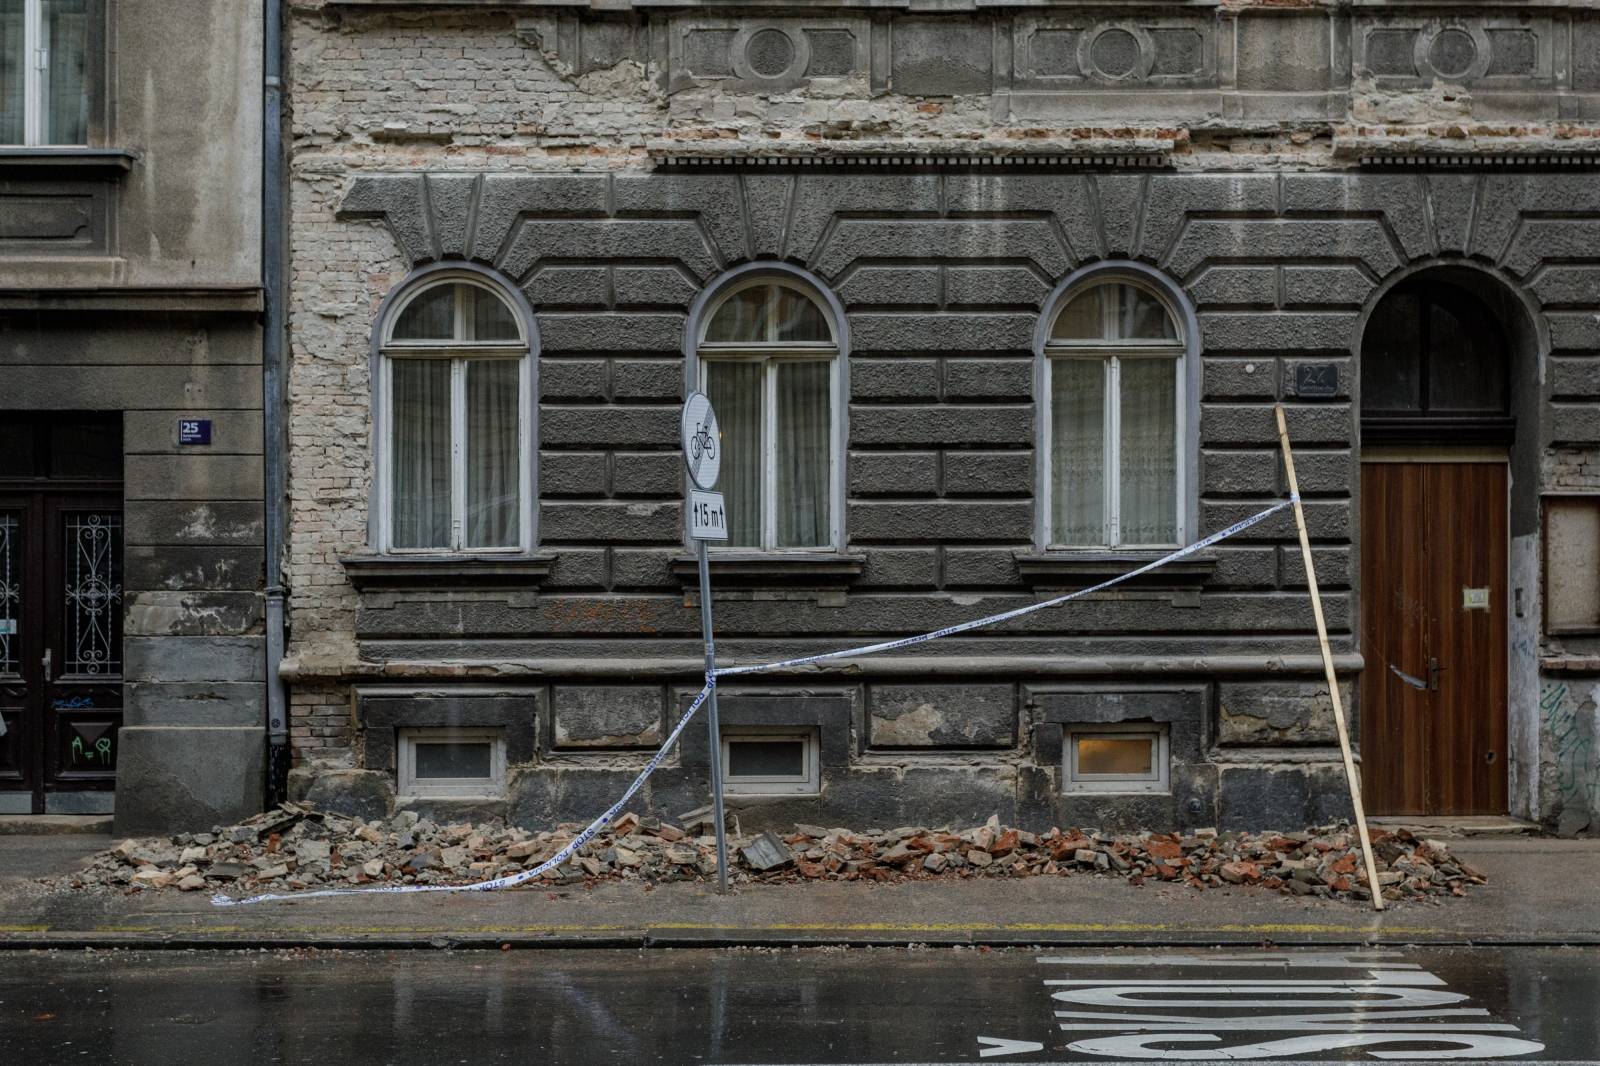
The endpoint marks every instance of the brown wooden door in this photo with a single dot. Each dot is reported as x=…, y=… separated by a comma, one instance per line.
x=1433, y=614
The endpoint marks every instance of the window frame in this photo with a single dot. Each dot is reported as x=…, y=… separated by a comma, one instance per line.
x=771, y=355
x=1156, y=782
x=36, y=77
x=406, y=781
x=807, y=783
x=387, y=351
x=1184, y=351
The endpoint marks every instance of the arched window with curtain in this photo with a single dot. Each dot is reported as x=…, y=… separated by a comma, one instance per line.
x=768, y=356
x=1113, y=425
x=455, y=418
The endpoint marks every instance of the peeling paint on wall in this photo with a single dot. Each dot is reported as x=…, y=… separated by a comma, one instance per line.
x=1571, y=716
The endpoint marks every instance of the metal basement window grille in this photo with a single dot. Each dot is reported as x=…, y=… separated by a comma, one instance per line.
x=1121, y=758
x=441, y=763
x=775, y=762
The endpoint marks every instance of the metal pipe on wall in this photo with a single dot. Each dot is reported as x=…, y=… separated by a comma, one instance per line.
x=273, y=250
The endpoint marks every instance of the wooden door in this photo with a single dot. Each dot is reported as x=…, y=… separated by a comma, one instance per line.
x=60, y=645
x=1433, y=614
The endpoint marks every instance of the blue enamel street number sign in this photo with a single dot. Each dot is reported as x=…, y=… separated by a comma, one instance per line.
x=194, y=431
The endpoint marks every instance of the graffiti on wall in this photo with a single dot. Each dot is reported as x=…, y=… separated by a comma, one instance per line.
x=1571, y=721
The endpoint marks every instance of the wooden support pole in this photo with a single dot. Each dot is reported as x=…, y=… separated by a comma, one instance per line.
x=1327, y=666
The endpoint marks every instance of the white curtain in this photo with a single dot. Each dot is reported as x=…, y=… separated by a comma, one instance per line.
x=1149, y=484
x=803, y=446
x=67, y=112
x=493, y=499
x=734, y=388
x=11, y=72
x=420, y=443
x=1077, y=450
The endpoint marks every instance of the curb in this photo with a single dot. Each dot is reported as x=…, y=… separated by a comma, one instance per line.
x=709, y=938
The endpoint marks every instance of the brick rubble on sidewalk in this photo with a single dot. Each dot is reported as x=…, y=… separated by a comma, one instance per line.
x=296, y=847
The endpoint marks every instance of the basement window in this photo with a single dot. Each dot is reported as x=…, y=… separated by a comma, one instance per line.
x=446, y=763
x=770, y=762
x=1120, y=758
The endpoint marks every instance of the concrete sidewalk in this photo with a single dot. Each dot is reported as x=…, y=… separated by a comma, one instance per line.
x=1540, y=891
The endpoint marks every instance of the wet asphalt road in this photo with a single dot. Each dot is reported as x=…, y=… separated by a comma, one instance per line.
x=799, y=1006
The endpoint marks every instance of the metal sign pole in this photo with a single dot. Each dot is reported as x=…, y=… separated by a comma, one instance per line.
x=711, y=723
x=707, y=520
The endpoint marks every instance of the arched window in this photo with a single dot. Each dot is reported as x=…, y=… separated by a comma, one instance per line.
x=768, y=358
x=1434, y=366
x=1114, y=384
x=454, y=420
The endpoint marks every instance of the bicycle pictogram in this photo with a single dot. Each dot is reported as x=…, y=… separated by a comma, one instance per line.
x=701, y=442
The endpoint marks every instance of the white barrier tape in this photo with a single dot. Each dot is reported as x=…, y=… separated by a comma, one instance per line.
x=962, y=627
x=588, y=833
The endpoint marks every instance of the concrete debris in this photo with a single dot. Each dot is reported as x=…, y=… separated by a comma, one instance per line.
x=297, y=847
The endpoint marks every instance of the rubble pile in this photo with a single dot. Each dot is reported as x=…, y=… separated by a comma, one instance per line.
x=297, y=847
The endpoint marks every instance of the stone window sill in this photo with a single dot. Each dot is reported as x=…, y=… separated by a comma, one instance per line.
x=111, y=162
x=1075, y=570
x=385, y=572
x=772, y=569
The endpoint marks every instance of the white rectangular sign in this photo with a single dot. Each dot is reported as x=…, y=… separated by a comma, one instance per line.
x=708, y=519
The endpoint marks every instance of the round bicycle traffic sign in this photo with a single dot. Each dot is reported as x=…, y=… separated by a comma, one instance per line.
x=702, y=440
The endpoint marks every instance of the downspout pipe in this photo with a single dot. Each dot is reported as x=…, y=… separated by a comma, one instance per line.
x=274, y=247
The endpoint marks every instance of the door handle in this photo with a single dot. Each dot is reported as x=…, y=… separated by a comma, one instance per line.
x=47, y=665
x=1433, y=674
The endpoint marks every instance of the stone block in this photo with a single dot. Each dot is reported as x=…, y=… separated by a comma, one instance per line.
x=637, y=568
x=207, y=703
x=988, y=473
x=1256, y=424
x=1239, y=378
x=652, y=286
x=1286, y=713
x=600, y=426
x=1332, y=563
x=364, y=794
x=173, y=779
x=894, y=379
x=660, y=332
x=213, y=522
x=942, y=520
x=1245, y=567
x=980, y=286
x=193, y=614
x=580, y=522
x=979, y=568
x=192, y=477
x=647, y=379
x=1574, y=378
x=1278, y=332
x=573, y=379
x=947, y=332
x=948, y=424
x=1252, y=473
x=1281, y=797
x=988, y=379
x=194, y=658
x=959, y=238
x=817, y=198
x=647, y=473
x=1206, y=241
x=709, y=196
x=156, y=432
x=942, y=716
x=572, y=474
x=506, y=197
x=891, y=285
x=900, y=568
x=575, y=568
x=894, y=473
x=568, y=287
x=606, y=716
x=944, y=57
x=1283, y=53
x=182, y=567
x=1235, y=286
x=1324, y=286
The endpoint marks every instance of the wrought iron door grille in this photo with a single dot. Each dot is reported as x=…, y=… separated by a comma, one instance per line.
x=93, y=593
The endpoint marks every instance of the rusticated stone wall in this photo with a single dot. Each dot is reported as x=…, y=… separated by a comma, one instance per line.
x=940, y=175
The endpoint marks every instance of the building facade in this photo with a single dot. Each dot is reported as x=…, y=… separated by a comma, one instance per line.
x=131, y=508
x=994, y=300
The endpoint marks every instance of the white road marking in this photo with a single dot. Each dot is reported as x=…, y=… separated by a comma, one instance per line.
x=1001, y=1046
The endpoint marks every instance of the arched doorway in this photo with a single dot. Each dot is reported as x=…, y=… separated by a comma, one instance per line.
x=1437, y=426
